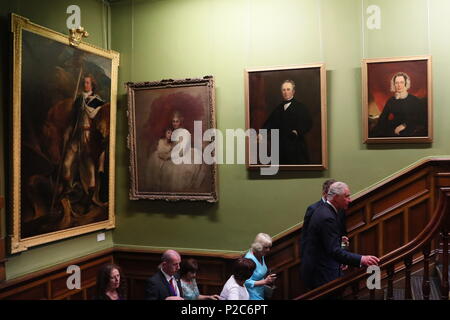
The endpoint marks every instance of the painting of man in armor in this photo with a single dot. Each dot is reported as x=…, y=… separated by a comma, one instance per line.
x=65, y=125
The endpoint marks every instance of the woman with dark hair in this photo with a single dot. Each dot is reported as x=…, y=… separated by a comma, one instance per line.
x=110, y=283
x=234, y=288
x=188, y=273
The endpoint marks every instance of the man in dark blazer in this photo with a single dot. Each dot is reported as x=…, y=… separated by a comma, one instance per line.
x=310, y=210
x=163, y=285
x=323, y=254
x=293, y=121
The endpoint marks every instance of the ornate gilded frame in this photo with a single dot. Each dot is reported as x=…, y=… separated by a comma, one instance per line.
x=150, y=106
x=381, y=70
x=308, y=74
x=18, y=241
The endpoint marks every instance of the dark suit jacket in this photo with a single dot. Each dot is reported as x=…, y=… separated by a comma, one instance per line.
x=309, y=212
x=158, y=288
x=293, y=149
x=323, y=254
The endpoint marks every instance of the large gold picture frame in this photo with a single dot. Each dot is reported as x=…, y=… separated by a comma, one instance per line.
x=63, y=139
x=306, y=148
x=156, y=112
x=397, y=104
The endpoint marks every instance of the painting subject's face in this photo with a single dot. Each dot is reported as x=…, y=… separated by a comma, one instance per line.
x=168, y=134
x=87, y=84
x=400, y=84
x=287, y=90
x=114, y=279
x=176, y=122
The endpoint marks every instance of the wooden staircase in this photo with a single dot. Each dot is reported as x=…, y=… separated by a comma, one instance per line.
x=398, y=264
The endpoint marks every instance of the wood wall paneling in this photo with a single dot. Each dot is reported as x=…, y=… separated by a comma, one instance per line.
x=368, y=242
x=417, y=218
x=393, y=233
x=380, y=220
x=356, y=219
x=399, y=197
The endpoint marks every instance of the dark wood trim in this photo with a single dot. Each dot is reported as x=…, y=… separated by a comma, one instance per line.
x=50, y=283
x=2, y=249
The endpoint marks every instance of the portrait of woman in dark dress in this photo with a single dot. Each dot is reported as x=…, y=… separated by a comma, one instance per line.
x=404, y=115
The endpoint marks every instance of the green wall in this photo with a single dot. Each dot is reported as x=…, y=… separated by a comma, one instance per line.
x=180, y=39
x=191, y=38
x=51, y=14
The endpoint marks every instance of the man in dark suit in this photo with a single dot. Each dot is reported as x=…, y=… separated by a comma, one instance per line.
x=163, y=285
x=323, y=254
x=310, y=210
x=293, y=121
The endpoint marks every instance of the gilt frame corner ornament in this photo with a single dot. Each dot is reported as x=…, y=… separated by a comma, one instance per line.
x=76, y=35
x=63, y=136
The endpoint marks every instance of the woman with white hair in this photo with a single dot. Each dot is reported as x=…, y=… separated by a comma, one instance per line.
x=404, y=115
x=255, y=285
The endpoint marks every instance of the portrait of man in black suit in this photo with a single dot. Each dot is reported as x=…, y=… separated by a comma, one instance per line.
x=293, y=121
x=287, y=109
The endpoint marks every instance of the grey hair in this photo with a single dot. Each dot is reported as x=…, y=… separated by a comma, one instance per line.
x=262, y=240
x=336, y=188
x=169, y=255
x=289, y=81
x=405, y=76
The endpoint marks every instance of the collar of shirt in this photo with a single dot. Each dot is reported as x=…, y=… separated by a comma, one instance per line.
x=324, y=200
x=87, y=94
x=286, y=105
x=334, y=208
x=167, y=276
x=174, y=281
x=401, y=95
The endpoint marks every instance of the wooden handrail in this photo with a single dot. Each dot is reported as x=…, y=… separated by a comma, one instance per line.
x=439, y=218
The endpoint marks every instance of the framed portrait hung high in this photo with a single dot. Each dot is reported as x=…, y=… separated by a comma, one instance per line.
x=397, y=100
x=291, y=102
x=168, y=120
x=63, y=136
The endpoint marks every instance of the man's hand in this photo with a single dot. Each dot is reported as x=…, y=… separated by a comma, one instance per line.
x=369, y=261
x=399, y=129
x=345, y=241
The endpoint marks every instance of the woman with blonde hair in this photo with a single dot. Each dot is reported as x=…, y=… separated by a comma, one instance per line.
x=259, y=249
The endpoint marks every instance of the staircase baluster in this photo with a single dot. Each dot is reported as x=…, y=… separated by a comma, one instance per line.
x=355, y=290
x=426, y=289
x=372, y=294
x=390, y=293
x=444, y=284
x=408, y=264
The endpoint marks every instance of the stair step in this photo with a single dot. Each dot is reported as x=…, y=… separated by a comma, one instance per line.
x=399, y=294
x=439, y=271
x=416, y=288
